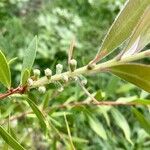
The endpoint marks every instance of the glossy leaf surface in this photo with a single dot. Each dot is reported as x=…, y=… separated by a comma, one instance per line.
x=141, y=35
x=123, y=26
x=138, y=74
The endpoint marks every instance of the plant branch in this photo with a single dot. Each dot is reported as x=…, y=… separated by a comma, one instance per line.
x=19, y=89
x=84, y=70
x=77, y=104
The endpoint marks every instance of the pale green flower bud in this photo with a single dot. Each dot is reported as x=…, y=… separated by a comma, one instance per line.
x=42, y=89
x=83, y=79
x=30, y=82
x=60, y=89
x=73, y=64
x=48, y=73
x=36, y=72
x=59, y=68
x=59, y=86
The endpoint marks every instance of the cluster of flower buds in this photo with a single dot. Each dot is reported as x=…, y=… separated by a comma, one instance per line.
x=59, y=69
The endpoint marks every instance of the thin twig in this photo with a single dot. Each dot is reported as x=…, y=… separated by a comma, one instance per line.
x=86, y=91
x=20, y=90
x=78, y=104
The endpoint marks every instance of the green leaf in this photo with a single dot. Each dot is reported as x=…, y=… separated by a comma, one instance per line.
x=10, y=140
x=47, y=98
x=5, y=75
x=142, y=120
x=122, y=123
x=142, y=101
x=138, y=74
x=29, y=57
x=69, y=133
x=38, y=113
x=25, y=77
x=123, y=26
x=141, y=35
x=97, y=127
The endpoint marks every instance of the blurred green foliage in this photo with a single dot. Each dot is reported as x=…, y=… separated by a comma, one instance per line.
x=57, y=22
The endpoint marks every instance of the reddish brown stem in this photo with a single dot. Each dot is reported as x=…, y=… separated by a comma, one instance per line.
x=19, y=89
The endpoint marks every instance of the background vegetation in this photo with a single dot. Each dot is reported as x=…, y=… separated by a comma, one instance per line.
x=56, y=22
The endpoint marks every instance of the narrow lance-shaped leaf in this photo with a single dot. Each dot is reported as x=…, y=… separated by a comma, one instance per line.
x=122, y=27
x=142, y=101
x=29, y=57
x=140, y=37
x=38, y=113
x=25, y=76
x=142, y=120
x=122, y=123
x=97, y=127
x=138, y=74
x=5, y=76
x=10, y=140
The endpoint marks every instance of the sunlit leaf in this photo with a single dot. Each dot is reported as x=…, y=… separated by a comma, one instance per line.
x=138, y=74
x=123, y=26
x=29, y=56
x=122, y=123
x=142, y=120
x=141, y=35
x=5, y=76
x=97, y=127
x=38, y=113
x=10, y=140
x=25, y=76
x=142, y=101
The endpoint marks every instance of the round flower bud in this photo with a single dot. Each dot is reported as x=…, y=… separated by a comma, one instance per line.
x=83, y=79
x=48, y=72
x=59, y=68
x=36, y=72
x=60, y=89
x=30, y=82
x=73, y=64
x=42, y=89
x=59, y=86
